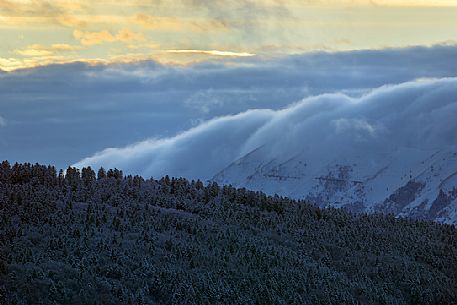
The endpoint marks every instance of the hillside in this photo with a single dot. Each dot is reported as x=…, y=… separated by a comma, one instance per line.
x=85, y=238
x=407, y=182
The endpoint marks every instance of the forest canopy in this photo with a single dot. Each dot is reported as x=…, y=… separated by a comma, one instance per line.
x=86, y=237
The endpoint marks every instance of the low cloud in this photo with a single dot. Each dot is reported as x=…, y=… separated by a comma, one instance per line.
x=40, y=7
x=176, y=24
x=204, y=101
x=356, y=125
x=242, y=14
x=214, y=53
x=414, y=114
x=92, y=38
x=209, y=140
x=2, y=121
x=37, y=50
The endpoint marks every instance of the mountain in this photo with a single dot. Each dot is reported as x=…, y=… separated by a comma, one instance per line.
x=408, y=182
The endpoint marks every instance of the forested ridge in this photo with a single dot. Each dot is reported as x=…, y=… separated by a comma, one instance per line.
x=81, y=237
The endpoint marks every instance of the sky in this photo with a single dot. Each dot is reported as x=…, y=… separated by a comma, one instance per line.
x=149, y=86
x=182, y=32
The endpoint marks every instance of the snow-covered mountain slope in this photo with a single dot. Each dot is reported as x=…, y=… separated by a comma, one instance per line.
x=403, y=181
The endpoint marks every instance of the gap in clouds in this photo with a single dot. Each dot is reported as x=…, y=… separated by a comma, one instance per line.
x=68, y=112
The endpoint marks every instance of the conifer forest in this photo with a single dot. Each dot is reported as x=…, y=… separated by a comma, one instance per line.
x=102, y=237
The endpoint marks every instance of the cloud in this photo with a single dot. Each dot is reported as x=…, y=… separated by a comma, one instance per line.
x=39, y=7
x=187, y=148
x=20, y=13
x=213, y=52
x=408, y=3
x=146, y=21
x=64, y=47
x=148, y=45
x=10, y=64
x=248, y=16
x=92, y=38
x=3, y=122
x=176, y=24
x=72, y=21
x=226, y=11
x=38, y=50
x=69, y=111
x=415, y=114
x=34, y=52
x=126, y=35
x=356, y=125
x=269, y=27
x=204, y=101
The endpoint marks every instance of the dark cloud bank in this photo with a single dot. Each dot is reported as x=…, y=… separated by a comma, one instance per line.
x=63, y=113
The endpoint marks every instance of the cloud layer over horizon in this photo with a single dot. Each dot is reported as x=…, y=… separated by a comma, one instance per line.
x=419, y=115
x=60, y=114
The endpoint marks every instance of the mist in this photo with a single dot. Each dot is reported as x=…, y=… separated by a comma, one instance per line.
x=419, y=114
